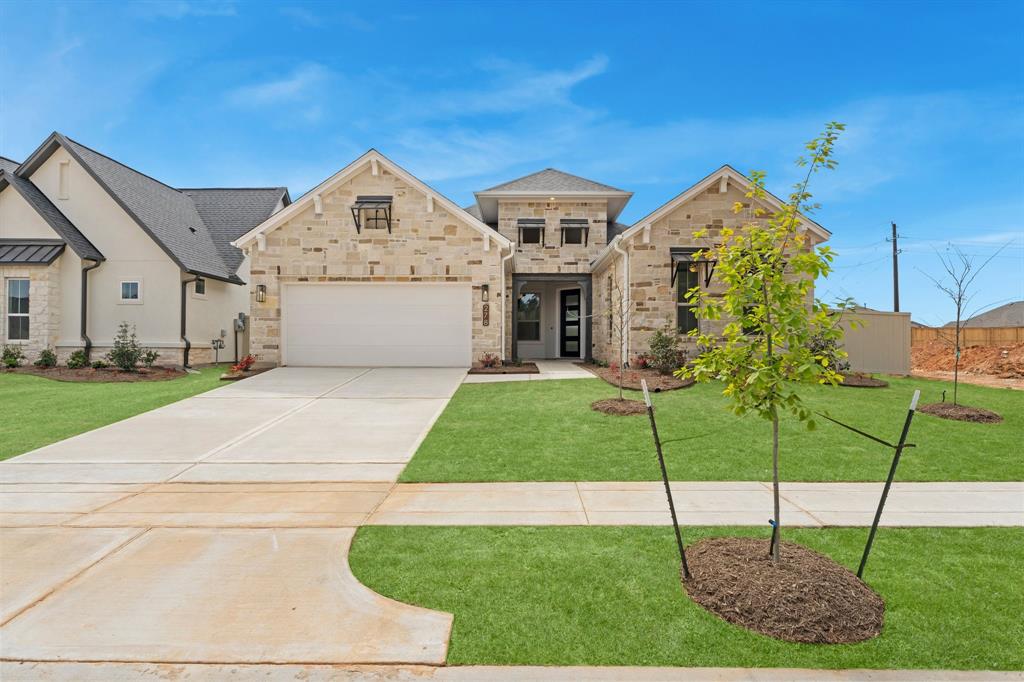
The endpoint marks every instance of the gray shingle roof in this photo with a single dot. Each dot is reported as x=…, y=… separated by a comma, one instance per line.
x=8, y=165
x=168, y=215
x=30, y=251
x=51, y=214
x=1006, y=315
x=552, y=180
x=231, y=212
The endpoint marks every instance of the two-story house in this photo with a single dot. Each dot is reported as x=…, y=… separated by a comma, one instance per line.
x=87, y=243
x=374, y=267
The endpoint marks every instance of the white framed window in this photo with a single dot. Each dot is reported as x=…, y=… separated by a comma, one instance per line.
x=528, y=317
x=131, y=291
x=17, y=309
x=199, y=288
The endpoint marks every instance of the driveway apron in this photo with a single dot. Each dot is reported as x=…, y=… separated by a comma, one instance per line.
x=217, y=529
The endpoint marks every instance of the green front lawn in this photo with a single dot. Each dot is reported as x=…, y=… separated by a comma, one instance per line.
x=546, y=431
x=611, y=596
x=38, y=411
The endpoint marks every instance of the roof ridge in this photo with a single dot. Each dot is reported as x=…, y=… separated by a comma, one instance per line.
x=119, y=163
x=604, y=186
x=200, y=189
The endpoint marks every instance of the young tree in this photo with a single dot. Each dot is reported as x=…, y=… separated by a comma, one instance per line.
x=961, y=272
x=621, y=307
x=768, y=269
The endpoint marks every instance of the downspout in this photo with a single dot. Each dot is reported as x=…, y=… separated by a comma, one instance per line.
x=504, y=298
x=626, y=292
x=184, y=298
x=86, y=341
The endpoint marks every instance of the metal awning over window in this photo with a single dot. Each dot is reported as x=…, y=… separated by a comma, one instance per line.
x=30, y=251
x=531, y=224
x=373, y=212
x=576, y=224
x=686, y=255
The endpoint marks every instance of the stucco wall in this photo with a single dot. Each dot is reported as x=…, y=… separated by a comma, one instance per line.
x=424, y=246
x=552, y=257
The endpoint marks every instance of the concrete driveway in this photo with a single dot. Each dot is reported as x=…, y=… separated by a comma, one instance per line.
x=216, y=529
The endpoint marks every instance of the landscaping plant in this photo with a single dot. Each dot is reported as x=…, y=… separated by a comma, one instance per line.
x=665, y=355
x=126, y=352
x=245, y=364
x=12, y=356
x=149, y=358
x=768, y=269
x=78, y=359
x=47, y=358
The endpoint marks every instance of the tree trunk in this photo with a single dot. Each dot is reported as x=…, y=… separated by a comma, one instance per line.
x=620, y=375
x=775, y=488
x=956, y=357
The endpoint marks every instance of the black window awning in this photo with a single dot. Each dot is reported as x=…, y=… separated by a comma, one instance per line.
x=375, y=208
x=575, y=224
x=531, y=223
x=687, y=255
x=30, y=251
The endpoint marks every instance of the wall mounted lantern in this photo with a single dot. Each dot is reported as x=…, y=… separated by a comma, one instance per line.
x=261, y=293
x=485, y=292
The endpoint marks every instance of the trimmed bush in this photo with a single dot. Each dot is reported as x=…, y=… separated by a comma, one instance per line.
x=126, y=352
x=78, y=360
x=12, y=356
x=47, y=358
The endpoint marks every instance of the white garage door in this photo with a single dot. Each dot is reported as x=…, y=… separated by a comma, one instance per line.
x=373, y=325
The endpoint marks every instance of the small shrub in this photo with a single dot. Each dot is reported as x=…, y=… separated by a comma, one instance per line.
x=78, y=360
x=126, y=352
x=245, y=364
x=12, y=356
x=666, y=356
x=149, y=357
x=47, y=358
x=99, y=364
x=828, y=353
x=489, y=360
x=641, y=362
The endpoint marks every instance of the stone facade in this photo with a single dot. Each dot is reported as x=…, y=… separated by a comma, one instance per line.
x=424, y=246
x=652, y=293
x=552, y=256
x=44, y=306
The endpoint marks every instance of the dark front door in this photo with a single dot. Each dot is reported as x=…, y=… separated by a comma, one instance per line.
x=569, y=336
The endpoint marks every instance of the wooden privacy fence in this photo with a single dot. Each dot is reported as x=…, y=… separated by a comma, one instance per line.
x=969, y=336
x=881, y=343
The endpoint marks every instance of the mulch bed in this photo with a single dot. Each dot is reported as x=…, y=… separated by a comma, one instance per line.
x=619, y=407
x=524, y=368
x=236, y=376
x=656, y=381
x=807, y=597
x=105, y=375
x=961, y=413
x=857, y=380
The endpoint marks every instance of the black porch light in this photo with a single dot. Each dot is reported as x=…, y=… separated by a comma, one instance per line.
x=485, y=292
x=261, y=293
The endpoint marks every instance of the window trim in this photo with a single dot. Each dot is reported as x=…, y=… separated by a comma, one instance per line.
x=120, y=292
x=195, y=292
x=682, y=279
x=9, y=314
x=539, y=321
x=539, y=224
x=580, y=226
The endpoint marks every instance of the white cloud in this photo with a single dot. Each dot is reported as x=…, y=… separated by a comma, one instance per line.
x=179, y=9
x=296, y=86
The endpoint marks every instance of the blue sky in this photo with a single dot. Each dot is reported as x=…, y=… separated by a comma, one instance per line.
x=647, y=97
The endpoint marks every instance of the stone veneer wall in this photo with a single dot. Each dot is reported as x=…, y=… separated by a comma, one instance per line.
x=44, y=306
x=650, y=270
x=551, y=257
x=424, y=246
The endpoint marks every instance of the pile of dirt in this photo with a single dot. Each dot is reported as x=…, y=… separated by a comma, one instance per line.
x=619, y=407
x=961, y=413
x=104, y=375
x=1006, y=362
x=656, y=381
x=858, y=380
x=807, y=597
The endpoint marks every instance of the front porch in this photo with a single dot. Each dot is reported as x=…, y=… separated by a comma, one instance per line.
x=551, y=316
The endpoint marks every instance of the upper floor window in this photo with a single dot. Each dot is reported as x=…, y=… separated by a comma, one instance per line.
x=575, y=231
x=372, y=212
x=17, y=309
x=199, y=287
x=531, y=230
x=131, y=291
x=686, y=310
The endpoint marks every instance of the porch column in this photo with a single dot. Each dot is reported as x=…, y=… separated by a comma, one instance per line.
x=517, y=286
x=585, y=286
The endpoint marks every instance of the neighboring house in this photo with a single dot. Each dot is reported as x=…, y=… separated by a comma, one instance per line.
x=373, y=267
x=87, y=243
x=1006, y=315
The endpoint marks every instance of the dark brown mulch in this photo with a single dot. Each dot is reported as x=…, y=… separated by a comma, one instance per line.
x=807, y=597
x=619, y=407
x=105, y=375
x=237, y=376
x=858, y=380
x=523, y=368
x=961, y=413
x=656, y=381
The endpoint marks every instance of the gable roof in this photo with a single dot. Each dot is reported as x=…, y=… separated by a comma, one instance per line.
x=57, y=221
x=9, y=165
x=726, y=173
x=371, y=158
x=228, y=213
x=552, y=180
x=1007, y=315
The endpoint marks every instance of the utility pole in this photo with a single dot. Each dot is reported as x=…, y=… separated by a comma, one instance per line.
x=895, y=271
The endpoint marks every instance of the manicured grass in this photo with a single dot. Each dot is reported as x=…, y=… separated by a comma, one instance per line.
x=546, y=431
x=37, y=411
x=611, y=596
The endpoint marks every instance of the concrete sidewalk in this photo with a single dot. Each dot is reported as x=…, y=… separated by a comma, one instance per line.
x=699, y=504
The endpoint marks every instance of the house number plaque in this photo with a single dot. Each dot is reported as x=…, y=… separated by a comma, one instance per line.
x=487, y=314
